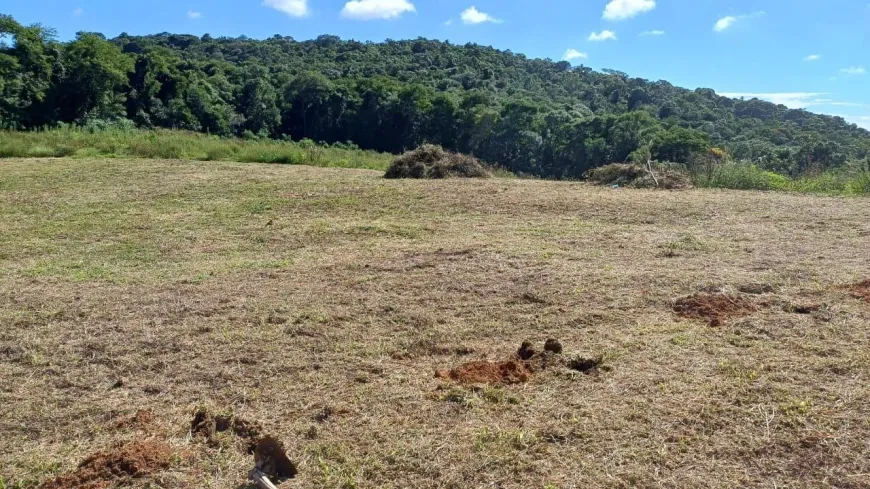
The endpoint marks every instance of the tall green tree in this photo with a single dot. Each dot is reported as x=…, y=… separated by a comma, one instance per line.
x=27, y=62
x=257, y=101
x=94, y=80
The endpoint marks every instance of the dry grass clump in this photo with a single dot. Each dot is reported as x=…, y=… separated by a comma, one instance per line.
x=636, y=176
x=432, y=161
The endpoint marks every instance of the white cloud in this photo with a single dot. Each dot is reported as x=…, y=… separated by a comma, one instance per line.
x=293, y=8
x=473, y=16
x=78, y=12
x=626, y=9
x=572, y=54
x=449, y=22
x=813, y=57
x=653, y=33
x=853, y=70
x=193, y=15
x=602, y=36
x=792, y=100
x=725, y=23
x=376, y=9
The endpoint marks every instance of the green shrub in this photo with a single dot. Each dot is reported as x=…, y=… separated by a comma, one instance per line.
x=12, y=148
x=40, y=151
x=746, y=176
x=742, y=176
x=859, y=185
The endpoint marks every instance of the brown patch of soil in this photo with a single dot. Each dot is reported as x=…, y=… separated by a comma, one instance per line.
x=206, y=425
x=713, y=308
x=861, y=290
x=496, y=373
x=526, y=362
x=105, y=469
x=272, y=460
x=142, y=420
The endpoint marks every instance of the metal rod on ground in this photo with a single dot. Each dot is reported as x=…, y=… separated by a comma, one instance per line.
x=261, y=479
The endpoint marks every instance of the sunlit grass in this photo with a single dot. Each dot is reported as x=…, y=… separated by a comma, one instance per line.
x=165, y=144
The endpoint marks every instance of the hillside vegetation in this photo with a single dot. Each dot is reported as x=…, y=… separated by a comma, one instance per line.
x=530, y=116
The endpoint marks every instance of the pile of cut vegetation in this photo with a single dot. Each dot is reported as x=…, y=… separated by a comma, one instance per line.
x=432, y=161
x=636, y=176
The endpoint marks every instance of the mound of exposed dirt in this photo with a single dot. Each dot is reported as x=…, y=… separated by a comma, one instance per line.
x=526, y=363
x=269, y=456
x=107, y=469
x=207, y=425
x=431, y=161
x=861, y=290
x=143, y=419
x=713, y=308
x=495, y=373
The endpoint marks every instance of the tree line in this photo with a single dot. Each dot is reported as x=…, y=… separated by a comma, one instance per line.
x=531, y=116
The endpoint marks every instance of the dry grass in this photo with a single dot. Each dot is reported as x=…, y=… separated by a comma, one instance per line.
x=319, y=303
x=432, y=161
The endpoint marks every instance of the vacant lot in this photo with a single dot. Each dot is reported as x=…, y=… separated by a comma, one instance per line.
x=320, y=304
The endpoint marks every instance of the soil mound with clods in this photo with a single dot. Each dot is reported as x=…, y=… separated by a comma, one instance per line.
x=526, y=362
x=716, y=309
x=142, y=419
x=495, y=373
x=113, y=467
x=207, y=425
x=861, y=290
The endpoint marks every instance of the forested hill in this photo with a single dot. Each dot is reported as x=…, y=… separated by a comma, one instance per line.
x=532, y=116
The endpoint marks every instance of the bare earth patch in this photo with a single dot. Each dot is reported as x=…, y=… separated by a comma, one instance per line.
x=115, y=466
x=714, y=308
x=861, y=290
x=495, y=373
x=313, y=305
x=207, y=425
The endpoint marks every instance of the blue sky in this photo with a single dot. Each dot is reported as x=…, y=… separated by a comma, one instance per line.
x=802, y=53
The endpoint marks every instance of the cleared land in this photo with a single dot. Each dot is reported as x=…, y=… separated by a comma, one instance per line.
x=319, y=303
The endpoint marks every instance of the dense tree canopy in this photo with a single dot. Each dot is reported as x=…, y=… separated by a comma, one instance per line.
x=532, y=116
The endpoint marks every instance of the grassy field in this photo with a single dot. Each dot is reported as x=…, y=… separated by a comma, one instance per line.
x=319, y=303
